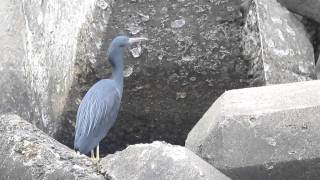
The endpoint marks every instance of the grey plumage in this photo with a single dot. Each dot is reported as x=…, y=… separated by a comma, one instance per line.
x=96, y=114
x=99, y=108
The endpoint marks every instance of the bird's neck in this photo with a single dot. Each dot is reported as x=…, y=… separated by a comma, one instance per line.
x=117, y=70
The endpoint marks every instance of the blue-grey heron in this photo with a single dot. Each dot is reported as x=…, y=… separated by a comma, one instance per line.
x=99, y=108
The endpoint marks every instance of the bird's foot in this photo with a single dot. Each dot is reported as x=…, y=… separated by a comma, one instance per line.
x=98, y=153
x=94, y=159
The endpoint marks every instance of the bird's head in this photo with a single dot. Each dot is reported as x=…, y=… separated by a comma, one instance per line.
x=122, y=41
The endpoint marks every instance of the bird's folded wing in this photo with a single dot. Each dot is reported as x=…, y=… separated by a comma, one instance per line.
x=97, y=109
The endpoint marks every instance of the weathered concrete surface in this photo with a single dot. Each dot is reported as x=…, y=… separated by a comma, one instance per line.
x=307, y=8
x=46, y=45
x=276, y=45
x=317, y=42
x=62, y=38
x=11, y=57
x=193, y=56
x=318, y=68
x=28, y=153
x=318, y=52
x=313, y=30
x=158, y=161
x=270, y=132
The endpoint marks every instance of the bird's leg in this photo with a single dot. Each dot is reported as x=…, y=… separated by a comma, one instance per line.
x=92, y=155
x=98, y=155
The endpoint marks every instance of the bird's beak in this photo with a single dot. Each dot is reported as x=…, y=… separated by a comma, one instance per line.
x=136, y=40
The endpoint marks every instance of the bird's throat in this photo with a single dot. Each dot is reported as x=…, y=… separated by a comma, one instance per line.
x=117, y=71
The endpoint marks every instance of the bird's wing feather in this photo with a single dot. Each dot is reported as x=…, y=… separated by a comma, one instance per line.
x=98, y=108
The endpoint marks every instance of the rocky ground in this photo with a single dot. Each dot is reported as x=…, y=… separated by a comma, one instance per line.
x=54, y=51
x=192, y=57
x=275, y=136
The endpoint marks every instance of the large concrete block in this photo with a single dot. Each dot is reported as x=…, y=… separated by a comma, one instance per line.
x=192, y=56
x=28, y=153
x=313, y=30
x=276, y=45
x=59, y=33
x=60, y=45
x=318, y=68
x=158, y=161
x=43, y=50
x=12, y=53
x=318, y=51
x=307, y=8
x=269, y=132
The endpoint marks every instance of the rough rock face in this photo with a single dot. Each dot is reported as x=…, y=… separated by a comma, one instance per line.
x=158, y=161
x=47, y=45
x=313, y=31
x=62, y=37
x=269, y=132
x=318, y=68
x=312, y=28
x=193, y=56
x=318, y=53
x=277, y=45
x=28, y=153
x=307, y=8
x=12, y=53
x=56, y=52
x=317, y=42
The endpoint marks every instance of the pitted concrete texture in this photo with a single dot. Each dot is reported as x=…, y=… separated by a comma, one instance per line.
x=269, y=132
x=276, y=45
x=28, y=153
x=56, y=50
x=158, y=161
x=318, y=68
x=191, y=58
x=43, y=43
x=307, y=8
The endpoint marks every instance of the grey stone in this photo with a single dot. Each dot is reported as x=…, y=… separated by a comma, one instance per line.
x=317, y=43
x=13, y=94
x=318, y=68
x=276, y=45
x=46, y=45
x=312, y=28
x=57, y=52
x=318, y=52
x=307, y=8
x=63, y=38
x=158, y=161
x=28, y=153
x=192, y=56
x=269, y=132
